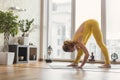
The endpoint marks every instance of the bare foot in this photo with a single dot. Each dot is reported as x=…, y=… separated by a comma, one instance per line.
x=105, y=66
x=72, y=65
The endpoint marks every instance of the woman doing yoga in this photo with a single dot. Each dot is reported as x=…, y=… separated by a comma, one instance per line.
x=80, y=39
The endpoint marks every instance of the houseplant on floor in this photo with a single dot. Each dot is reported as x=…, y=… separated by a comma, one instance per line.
x=8, y=26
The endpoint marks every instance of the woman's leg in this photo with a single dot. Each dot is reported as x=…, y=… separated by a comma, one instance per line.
x=99, y=39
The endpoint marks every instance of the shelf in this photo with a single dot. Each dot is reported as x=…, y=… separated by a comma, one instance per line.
x=23, y=53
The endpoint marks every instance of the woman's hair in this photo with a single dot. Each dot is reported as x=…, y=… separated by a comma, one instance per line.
x=68, y=45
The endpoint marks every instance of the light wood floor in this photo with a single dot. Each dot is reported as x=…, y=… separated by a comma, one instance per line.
x=57, y=71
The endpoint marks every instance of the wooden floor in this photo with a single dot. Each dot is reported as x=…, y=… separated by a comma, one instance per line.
x=57, y=71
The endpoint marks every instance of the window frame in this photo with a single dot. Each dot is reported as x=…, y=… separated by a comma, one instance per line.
x=103, y=25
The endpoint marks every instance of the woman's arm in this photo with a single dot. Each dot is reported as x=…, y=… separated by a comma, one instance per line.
x=82, y=46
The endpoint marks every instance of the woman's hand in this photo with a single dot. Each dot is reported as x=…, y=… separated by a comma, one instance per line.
x=79, y=67
x=82, y=46
x=72, y=65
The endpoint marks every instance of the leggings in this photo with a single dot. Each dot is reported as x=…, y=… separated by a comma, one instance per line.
x=92, y=27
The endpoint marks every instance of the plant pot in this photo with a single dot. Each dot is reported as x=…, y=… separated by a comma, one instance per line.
x=7, y=58
x=23, y=41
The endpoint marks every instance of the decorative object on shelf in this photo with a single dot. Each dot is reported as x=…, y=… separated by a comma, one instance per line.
x=25, y=28
x=16, y=9
x=21, y=58
x=32, y=57
x=92, y=58
x=114, y=57
x=14, y=6
x=8, y=25
x=23, y=41
x=49, y=52
x=30, y=43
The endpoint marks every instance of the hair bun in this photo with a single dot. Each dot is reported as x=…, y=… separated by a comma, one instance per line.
x=66, y=42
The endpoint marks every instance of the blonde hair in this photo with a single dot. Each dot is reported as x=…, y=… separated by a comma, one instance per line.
x=67, y=45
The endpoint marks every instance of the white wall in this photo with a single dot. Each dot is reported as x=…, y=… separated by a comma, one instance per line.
x=32, y=11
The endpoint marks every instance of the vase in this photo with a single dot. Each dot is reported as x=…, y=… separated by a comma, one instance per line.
x=23, y=41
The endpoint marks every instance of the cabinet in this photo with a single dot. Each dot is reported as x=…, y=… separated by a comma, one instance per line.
x=23, y=53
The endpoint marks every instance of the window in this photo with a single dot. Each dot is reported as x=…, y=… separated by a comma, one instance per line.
x=59, y=26
x=113, y=26
x=89, y=9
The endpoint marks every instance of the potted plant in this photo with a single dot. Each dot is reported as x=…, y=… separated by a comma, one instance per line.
x=25, y=28
x=8, y=26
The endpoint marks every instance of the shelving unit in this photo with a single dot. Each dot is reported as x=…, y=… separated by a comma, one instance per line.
x=32, y=53
x=23, y=53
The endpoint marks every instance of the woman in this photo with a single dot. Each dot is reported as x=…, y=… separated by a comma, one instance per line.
x=79, y=40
